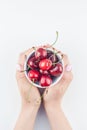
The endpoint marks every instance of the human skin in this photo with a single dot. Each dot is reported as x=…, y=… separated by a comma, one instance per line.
x=52, y=98
x=30, y=97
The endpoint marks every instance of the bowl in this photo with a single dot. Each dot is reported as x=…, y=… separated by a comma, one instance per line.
x=55, y=80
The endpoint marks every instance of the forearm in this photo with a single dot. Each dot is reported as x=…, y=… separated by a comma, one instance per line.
x=57, y=118
x=26, y=118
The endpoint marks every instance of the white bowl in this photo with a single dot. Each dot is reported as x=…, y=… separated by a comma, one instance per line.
x=55, y=81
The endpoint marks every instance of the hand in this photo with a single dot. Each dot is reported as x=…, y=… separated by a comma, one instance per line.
x=52, y=98
x=30, y=94
x=30, y=97
x=53, y=95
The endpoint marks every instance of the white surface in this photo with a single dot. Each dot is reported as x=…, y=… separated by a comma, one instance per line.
x=24, y=23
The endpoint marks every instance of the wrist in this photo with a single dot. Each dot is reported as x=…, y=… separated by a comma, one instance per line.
x=57, y=118
x=31, y=104
x=28, y=108
x=26, y=118
x=52, y=105
x=53, y=110
x=29, y=112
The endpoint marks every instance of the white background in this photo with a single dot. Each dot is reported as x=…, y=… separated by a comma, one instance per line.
x=24, y=23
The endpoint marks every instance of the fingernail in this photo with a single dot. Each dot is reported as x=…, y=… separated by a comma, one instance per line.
x=68, y=68
x=18, y=67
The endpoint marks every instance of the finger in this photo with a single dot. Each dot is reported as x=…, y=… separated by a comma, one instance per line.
x=26, y=52
x=64, y=83
x=64, y=86
x=66, y=59
x=68, y=79
x=20, y=64
x=20, y=67
x=46, y=45
x=67, y=74
x=21, y=60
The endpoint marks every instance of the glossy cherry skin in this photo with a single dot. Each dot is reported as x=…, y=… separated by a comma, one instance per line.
x=40, y=53
x=45, y=81
x=56, y=70
x=49, y=53
x=33, y=75
x=54, y=58
x=45, y=64
x=32, y=62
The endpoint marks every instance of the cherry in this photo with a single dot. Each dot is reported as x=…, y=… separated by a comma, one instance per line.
x=40, y=53
x=32, y=63
x=45, y=81
x=54, y=58
x=49, y=53
x=45, y=64
x=45, y=72
x=56, y=70
x=33, y=75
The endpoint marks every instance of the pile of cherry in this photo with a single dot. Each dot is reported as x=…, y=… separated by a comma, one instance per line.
x=43, y=66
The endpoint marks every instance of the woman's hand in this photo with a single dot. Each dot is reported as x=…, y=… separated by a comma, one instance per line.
x=52, y=98
x=53, y=95
x=30, y=97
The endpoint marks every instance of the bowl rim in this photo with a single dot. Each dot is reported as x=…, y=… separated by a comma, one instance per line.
x=54, y=83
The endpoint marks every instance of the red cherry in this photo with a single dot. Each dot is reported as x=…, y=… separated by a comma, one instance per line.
x=49, y=53
x=40, y=53
x=56, y=70
x=33, y=75
x=45, y=81
x=45, y=64
x=33, y=63
x=54, y=58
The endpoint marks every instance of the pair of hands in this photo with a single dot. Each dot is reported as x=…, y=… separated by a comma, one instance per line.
x=52, y=96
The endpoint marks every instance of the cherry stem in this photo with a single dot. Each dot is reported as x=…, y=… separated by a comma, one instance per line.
x=34, y=48
x=55, y=40
x=57, y=52
x=58, y=61
x=26, y=69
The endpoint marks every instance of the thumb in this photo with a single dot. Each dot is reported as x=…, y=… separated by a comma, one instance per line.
x=20, y=66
